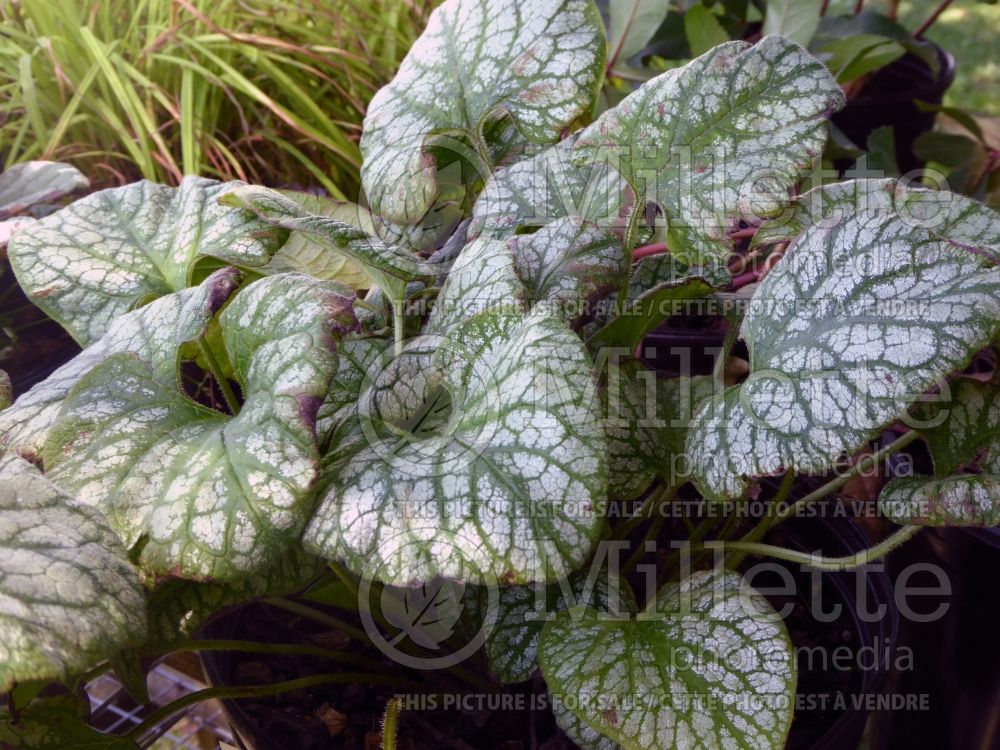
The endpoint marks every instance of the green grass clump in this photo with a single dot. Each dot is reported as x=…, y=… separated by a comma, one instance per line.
x=269, y=91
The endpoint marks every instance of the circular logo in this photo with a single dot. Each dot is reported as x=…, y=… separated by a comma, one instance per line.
x=433, y=624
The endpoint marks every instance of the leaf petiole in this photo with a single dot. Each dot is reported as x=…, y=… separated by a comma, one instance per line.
x=220, y=378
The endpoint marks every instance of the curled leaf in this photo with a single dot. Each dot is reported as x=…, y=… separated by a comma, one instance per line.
x=476, y=63
x=113, y=250
x=198, y=493
x=153, y=333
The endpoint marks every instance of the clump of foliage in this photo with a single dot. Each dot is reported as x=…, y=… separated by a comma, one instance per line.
x=267, y=91
x=487, y=444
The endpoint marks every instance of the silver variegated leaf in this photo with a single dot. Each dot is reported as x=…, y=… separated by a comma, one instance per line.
x=569, y=264
x=477, y=456
x=960, y=500
x=522, y=611
x=68, y=596
x=358, y=362
x=389, y=266
x=886, y=290
x=153, y=333
x=709, y=665
x=482, y=276
x=537, y=191
x=303, y=254
x=24, y=185
x=721, y=139
x=198, y=493
x=477, y=62
x=646, y=423
x=964, y=434
x=107, y=253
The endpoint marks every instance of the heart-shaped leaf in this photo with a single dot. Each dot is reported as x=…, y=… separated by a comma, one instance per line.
x=24, y=185
x=200, y=493
x=964, y=433
x=477, y=63
x=886, y=290
x=69, y=596
x=721, y=139
x=389, y=266
x=153, y=333
x=475, y=456
x=105, y=254
x=522, y=611
x=536, y=191
x=647, y=423
x=709, y=664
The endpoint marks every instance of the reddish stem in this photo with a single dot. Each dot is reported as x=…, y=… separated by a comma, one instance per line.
x=656, y=248
x=859, y=6
x=740, y=234
x=744, y=279
x=823, y=8
x=930, y=21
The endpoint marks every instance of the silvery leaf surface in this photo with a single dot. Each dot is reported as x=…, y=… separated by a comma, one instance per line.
x=478, y=62
x=708, y=666
x=198, y=493
x=153, y=333
x=70, y=598
x=476, y=456
x=885, y=290
x=721, y=139
x=116, y=249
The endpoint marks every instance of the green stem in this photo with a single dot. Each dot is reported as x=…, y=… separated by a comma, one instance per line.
x=640, y=550
x=255, y=647
x=345, y=576
x=398, y=321
x=655, y=499
x=820, y=562
x=835, y=484
x=314, y=614
x=305, y=611
x=757, y=532
x=390, y=724
x=671, y=567
x=220, y=379
x=719, y=372
x=257, y=691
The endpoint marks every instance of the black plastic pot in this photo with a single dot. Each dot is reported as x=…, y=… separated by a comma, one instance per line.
x=838, y=536
x=835, y=537
x=956, y=657
x=888, y=99
x=678, y=350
